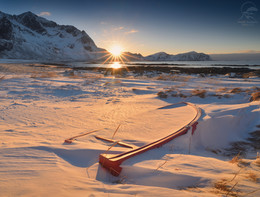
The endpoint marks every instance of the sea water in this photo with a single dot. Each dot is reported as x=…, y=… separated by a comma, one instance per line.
x=253, y=64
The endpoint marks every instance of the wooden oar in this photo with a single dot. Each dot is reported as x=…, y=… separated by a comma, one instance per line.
x=70, y=140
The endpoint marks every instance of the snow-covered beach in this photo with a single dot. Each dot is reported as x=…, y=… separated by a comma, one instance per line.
x=43, y=105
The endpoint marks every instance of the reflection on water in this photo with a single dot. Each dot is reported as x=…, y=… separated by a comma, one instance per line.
x=196, y=64
x=116, y=65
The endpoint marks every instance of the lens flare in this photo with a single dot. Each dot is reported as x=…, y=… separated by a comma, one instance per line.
x=116, y=50
x=116, y=65
x=116, y=56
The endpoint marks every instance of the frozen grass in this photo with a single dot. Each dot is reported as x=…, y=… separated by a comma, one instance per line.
x=223, y=187
x=236, y=90
x=255, y=96
x=248, y=75
x=44, y=75
x=257, y=160
x=111, y=83
x=82, y=75
x=162, y=94
x=252, y=177
x=47, y=110
x=239, y=161
x=167, y=77
x=236, y=159
x=228, y=187
x=199, y=93
x=222, y=90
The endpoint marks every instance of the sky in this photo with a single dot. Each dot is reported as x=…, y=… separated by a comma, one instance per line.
x=150, y=26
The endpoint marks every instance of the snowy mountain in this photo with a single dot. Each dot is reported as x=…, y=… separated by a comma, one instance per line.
x=190, y=56
x=128, y=56
x=28, y=36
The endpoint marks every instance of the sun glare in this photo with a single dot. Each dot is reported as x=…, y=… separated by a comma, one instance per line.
x=116, y=65
x=116, y=50
x=116, y=56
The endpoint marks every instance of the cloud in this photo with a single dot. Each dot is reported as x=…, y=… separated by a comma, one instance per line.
x=44, y=14
x=248, y=51
x=133, y=31
x=118, y=28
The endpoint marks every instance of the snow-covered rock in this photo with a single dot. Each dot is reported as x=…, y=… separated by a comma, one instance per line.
x=190, y=56
x=28, y=36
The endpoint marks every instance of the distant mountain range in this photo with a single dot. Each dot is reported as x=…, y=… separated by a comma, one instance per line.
x=162, y=56
x=28, y=36
x=190, y=56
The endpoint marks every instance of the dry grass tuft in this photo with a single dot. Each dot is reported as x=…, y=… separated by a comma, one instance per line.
x=255, y=88
x=183, y=95
x=222, y=185
x=200, y=93
x=236, y=159
x=257, y=161
x=239, y=161
x=250, y=74
x=225, y=189
x=162, y=94
x=255, y=96
x=236, y=90
x=166, y=77
x=72, y=75
x=252, y=177
x=44, y=75
x=116, y=82
x=221, y=90
x=226, y=96
x=170, y=89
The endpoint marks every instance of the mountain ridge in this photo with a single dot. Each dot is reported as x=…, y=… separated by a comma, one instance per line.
x=188, y=56
x=28, y=36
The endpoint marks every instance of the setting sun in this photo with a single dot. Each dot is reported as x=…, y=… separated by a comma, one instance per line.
x=116, y=50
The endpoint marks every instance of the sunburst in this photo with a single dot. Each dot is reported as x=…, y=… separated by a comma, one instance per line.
x=116, y=50
x=116, y=57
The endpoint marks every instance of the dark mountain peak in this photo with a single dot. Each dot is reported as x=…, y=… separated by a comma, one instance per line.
x=29, y=36
x=27, y=14
x=71, y=30
x=29, y=20
x=5, y=28
x=6, y=33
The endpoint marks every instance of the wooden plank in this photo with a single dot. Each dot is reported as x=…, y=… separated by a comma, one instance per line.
x=112, y=162
x=71, y=139
x=113, y=141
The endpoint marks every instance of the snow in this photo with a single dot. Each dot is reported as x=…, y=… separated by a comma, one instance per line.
x=54, y=43
x=189, y=56
x=42, y=106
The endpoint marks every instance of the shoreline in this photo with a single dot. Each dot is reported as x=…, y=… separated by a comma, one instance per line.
x=141, y=70
x=147, y=70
